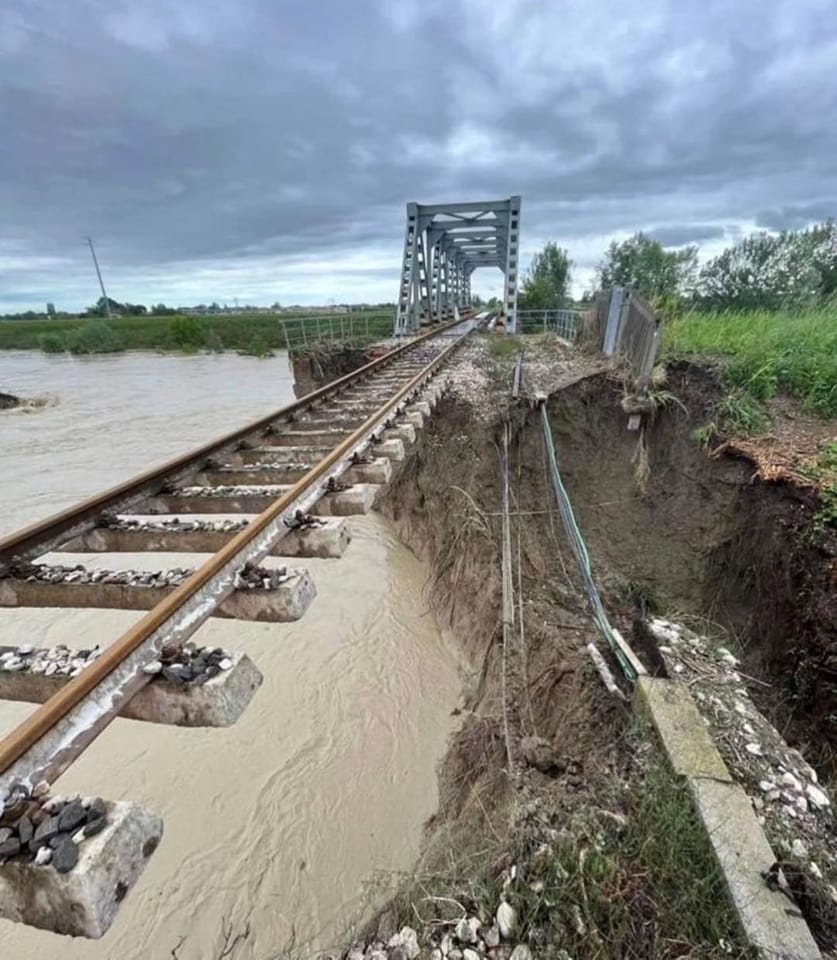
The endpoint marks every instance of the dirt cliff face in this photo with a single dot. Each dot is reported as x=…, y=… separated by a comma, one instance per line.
x=709, y=537
x=544, y=755
x=706, y=536
x=323, y=364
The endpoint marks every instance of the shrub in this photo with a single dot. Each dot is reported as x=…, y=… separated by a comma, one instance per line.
x=213, y=342
x=187, y=333
x=51, y=343
x=257, y=347
x=93, y=337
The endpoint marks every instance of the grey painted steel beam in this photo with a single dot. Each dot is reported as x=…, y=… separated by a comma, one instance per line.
x=443, y=245
x=471, y=206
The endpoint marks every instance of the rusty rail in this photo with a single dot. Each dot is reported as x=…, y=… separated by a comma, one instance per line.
x=43, y=535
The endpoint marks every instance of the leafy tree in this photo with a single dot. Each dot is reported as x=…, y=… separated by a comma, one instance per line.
x=547, y=282
x=773, y=270
x=99, y=309
x=161, y=310
x=644, y=264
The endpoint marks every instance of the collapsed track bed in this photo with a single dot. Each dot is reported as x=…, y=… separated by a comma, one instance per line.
x=316, y=461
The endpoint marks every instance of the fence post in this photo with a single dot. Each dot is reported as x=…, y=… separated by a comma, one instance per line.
x=287, y=339
x=614, y=317
x=646, y=365
x=623, y=318
x=367, y=326
x=544, y=321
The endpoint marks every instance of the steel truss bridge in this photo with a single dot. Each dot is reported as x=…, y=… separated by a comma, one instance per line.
x=443, y=244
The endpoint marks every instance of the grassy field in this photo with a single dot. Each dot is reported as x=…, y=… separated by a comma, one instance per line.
x=256, y=334
x=767, y=352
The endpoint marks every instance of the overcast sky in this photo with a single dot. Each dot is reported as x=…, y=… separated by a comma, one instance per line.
x=265, y=149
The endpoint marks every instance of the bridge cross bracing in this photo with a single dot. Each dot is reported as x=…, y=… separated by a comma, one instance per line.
x=443, y=244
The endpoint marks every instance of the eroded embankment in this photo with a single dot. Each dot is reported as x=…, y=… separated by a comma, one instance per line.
x=325, y=362
x=554, y=802
x=708, y=538
x=541, y=744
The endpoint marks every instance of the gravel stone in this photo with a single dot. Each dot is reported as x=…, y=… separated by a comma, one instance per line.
x=45, y=833
x=72, y=817
x=10, y=848
x=65, y=856
x=521, y=952
x=25, y=830
x=43, y=856
x=92, y=827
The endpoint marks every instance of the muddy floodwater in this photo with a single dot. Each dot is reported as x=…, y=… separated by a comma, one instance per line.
x=287, y=823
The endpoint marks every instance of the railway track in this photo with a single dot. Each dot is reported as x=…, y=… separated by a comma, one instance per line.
x=280, y=486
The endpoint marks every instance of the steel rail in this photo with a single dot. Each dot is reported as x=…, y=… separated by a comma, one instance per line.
x=44, y=535
x=82, y=718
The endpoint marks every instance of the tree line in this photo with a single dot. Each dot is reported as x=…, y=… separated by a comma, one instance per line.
x=762, y=271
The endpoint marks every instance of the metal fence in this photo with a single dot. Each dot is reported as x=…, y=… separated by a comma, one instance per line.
x=564, y=323
x=621, y=322
x=302, y=333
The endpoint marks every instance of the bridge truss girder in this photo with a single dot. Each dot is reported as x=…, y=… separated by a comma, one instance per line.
x=443, y=245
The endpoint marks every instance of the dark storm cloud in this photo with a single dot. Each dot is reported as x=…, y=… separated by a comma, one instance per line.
x=794, y=217
x=217, y=147
x=675, y=236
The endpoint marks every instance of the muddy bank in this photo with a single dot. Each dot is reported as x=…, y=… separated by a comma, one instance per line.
x=707, y=538
x=327, y=362
x=8, y=401
x=545, y=758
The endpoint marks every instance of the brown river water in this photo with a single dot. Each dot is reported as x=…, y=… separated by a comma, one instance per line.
x=293, y=821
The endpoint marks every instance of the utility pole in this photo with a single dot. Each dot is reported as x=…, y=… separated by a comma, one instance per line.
x=99, y=275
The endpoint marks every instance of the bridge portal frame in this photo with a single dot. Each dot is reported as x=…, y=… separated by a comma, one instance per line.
x=443, y=244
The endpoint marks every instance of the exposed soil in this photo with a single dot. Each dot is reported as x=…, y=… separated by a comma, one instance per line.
x=669, y=527
x=325, y=363
x=710, y=538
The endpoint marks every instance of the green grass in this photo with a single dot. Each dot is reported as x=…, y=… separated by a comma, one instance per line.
x=502, y=346
x=824, y=472
x=257, y=334
x=736, y=414
x=646, y=886
x=630, y=875
x=767, y=352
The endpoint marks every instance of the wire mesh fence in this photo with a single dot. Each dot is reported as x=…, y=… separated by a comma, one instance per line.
x=563, y=323
x=302, y=334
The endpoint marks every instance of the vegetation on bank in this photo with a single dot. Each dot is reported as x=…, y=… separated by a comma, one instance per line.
x=252, y=334
x=824, y=472
x=629, y=874
x=766, y=352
